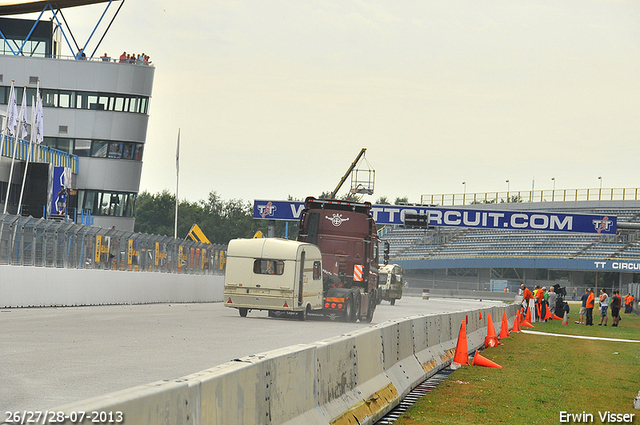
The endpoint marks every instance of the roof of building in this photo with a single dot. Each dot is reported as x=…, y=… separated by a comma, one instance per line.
x=20, y=7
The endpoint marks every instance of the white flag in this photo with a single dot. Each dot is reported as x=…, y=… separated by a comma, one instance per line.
x=178, y=153
x=22, y=120
x=12, y=112
x=39, y=126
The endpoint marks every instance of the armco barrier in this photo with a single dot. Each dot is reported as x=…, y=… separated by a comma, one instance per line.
x=353, y=378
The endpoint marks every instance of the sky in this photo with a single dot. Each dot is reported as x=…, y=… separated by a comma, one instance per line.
x=276, y=98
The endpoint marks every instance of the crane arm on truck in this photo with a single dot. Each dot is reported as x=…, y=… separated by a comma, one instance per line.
x=351, y=167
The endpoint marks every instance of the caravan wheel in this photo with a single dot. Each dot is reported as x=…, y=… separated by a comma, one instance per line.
x=302, y=315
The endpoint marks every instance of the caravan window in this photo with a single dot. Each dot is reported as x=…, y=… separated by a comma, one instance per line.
x=261, y=266
x=317, y=270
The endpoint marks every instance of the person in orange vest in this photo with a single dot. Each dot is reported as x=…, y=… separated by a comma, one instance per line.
x=539, y=295
x=589, y=305
x=526, y=296
x=628, y=303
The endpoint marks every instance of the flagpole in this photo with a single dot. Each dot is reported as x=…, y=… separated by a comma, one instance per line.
x=16, y=135
x=175, y=228
x=26, y=166
x=5, y=130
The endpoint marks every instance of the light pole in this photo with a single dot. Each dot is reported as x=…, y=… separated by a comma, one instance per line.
x=553, y=193
x=600, y=191
x=464, y=192
x=508, y=189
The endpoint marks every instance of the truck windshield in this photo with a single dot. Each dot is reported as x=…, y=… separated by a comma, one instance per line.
x=382, y=278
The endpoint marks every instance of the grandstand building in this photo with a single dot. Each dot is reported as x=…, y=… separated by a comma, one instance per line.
x=493, y=259
x=96, y=112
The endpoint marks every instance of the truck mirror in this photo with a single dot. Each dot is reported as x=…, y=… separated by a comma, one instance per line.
x=386, y=253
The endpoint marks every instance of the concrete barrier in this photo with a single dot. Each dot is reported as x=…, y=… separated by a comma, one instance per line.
x=354, y=378
x=51, y=287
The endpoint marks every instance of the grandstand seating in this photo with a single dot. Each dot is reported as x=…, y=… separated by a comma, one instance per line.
x=445, y=243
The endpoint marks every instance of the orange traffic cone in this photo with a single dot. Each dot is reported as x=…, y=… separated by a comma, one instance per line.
x=480, y=315
x=462, y=353
x=478, y=360
x=547, y=314
x=565, y=321
x=526, y=324
x=491, y=340
x=504, y=328
x=516, y=324
x=556, y=317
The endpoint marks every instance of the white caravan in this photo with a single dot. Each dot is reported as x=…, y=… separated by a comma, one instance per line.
x=273, y=274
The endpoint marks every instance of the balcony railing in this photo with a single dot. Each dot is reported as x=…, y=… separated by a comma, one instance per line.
x=41, y=153
x=558, y=195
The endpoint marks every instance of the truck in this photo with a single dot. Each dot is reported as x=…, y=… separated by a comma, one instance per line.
x=332, y=267
x=390, y=280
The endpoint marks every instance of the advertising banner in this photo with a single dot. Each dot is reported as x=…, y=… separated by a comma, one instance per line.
x=520, y=220
x=458, y=217
x=60, y=190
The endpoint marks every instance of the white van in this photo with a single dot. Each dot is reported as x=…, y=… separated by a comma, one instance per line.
x=273, y=274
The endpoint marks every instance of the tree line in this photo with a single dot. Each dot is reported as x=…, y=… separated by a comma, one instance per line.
x=220, y=220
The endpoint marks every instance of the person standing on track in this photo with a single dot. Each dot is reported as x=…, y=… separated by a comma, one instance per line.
x=589, y=305
x=527, y=296
x=583, y=307
x=628, y=303
x=604, y=305
x=616, y=302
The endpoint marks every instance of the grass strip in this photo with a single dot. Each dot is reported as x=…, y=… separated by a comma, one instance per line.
x=541, y=377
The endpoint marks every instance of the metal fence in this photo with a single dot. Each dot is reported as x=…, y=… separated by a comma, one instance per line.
x=28, y=241
x=559, y=195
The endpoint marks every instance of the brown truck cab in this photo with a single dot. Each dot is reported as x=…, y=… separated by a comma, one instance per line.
x=347, y=237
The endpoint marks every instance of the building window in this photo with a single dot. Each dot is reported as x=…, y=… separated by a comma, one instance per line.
x=76, y=99
x=82, y=147
x=97, y=148
x=113, y=204
x=115, y=150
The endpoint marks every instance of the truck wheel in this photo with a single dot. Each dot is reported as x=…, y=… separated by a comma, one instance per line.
x=370, y=310
x=393, y=301
x=348, y=311
x=243, y=311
